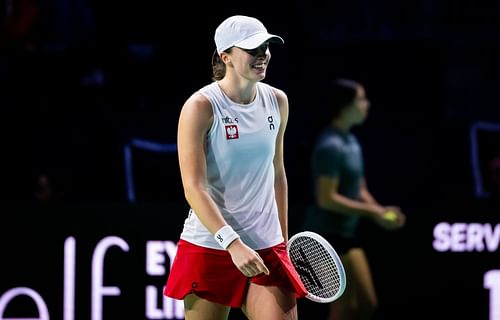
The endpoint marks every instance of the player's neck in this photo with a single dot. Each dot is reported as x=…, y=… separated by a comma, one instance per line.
x=341, y=126
x=242, y=93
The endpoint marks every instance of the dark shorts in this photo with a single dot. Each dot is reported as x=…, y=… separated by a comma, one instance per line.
x=212, y=275
x=342, y=244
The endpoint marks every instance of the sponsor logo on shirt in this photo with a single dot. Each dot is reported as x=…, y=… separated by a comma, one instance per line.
x=228, y=119
x=271, y=124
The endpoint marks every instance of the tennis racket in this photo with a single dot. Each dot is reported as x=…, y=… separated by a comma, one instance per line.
x=318, y=266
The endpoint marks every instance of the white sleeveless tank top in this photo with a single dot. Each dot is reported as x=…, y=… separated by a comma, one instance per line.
x=240, y=172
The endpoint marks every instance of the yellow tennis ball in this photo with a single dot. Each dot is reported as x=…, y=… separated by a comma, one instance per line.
x=390, y=215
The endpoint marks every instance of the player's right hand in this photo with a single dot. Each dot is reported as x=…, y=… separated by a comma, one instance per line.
x=246, y=259
x=391, y=218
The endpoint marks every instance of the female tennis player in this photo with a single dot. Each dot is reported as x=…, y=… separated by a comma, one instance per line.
x=232, y=249
x=342, y=198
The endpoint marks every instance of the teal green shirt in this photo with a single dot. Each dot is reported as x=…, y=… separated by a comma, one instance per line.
x=337, y=155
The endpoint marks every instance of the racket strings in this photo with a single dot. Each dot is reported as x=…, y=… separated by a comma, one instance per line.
x=316, y=267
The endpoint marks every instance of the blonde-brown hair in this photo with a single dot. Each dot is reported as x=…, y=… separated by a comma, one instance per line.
x=218, y=66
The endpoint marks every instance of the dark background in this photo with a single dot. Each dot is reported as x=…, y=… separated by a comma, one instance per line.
x=81, y=79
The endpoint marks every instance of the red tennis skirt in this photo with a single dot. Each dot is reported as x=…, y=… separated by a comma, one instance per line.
x=212, y=275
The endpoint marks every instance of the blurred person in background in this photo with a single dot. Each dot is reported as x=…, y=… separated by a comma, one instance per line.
x=342, y=198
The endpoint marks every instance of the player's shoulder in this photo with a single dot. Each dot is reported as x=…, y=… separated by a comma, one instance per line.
x=330, y=138
x=197, y=105
x=279, y=93
x=197, y=99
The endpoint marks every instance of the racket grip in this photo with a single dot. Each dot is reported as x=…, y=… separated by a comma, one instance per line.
x=225, y=235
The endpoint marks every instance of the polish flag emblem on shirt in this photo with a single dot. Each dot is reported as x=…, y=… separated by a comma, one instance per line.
x=232, y=132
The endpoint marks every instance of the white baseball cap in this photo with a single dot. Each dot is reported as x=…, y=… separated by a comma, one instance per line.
x=243, y=32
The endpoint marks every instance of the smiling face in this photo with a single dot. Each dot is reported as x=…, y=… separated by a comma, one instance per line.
x=250, y=64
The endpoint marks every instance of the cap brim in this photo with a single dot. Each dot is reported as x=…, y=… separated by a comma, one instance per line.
x=257, y=39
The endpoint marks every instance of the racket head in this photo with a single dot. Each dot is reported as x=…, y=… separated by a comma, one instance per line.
x=318, y=266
